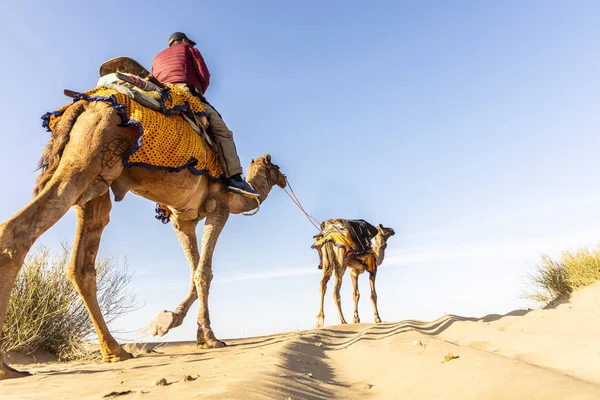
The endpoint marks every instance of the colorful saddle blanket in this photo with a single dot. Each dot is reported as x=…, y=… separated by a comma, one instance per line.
x=167, y=142
x=342, y=233
x=359, y=231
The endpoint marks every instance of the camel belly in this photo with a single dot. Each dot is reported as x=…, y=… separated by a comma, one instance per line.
x=182, y=191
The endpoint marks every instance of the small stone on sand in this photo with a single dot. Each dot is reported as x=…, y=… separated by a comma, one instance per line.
x=449, y=357
x=159, y=382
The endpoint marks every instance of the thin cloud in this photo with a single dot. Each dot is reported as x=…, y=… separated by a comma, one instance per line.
x=271, y=274
x=523, y=248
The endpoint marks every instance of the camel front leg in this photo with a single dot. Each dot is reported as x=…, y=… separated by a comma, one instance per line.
x=374, y=295
x=217, y=213
x=327, y=270
x=339, y=274
x=166, y=320
x=92, y=218
x=355, y=294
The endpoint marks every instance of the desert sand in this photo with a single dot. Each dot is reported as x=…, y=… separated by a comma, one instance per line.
x=552, y=353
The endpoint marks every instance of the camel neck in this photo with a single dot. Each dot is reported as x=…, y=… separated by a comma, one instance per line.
x=379, y=251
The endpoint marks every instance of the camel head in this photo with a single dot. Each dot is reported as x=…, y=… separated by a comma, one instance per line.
x=380, y=240
x=386, y=232
x=272, y=172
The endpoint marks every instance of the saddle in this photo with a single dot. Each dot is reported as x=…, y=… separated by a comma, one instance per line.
x=131, y=79
x=358, y=230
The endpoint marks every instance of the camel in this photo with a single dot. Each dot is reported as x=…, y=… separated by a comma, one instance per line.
x=82, y=161
x=336, y=261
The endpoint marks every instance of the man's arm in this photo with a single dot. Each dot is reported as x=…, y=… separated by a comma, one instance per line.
x=201, y=68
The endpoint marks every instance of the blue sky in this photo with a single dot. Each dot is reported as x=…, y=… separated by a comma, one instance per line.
x=470, y=127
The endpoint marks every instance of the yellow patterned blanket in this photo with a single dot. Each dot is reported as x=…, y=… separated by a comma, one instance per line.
x=340, y=240
x=167, y=142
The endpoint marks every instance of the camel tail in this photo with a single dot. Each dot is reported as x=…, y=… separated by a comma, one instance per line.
x=329, y=258
x=58, y=141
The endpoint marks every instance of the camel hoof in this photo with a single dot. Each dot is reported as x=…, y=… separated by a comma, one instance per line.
x=163, y=322
x=377, y=320
x=343, y=322
x=122, y=356
x=320, y=322
x=211, y=344
x=357, y=320
x=7, y=372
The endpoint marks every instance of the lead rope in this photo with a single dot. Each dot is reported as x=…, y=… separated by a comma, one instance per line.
x=296, y=201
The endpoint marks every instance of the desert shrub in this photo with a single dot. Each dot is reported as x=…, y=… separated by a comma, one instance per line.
x=45, y=311
x=558, y=279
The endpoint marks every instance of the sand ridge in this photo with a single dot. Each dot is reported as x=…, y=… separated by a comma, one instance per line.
x=552, y=353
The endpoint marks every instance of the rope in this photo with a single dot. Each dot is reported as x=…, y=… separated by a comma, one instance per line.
x=312, y=219
x=249, y=214
x=294, y=198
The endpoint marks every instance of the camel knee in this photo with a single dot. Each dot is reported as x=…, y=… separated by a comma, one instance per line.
x=374, y=297
x=356, y=296
x=10, y=258
x=14, y=244
x=336, y=295
x=82, y=277
x=202, y=278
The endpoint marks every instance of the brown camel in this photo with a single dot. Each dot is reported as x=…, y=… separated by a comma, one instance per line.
x=336, y=261
x=80, y=164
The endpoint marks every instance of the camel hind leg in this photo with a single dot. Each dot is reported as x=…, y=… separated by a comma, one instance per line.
x=92, y=218
x=355, y=294
x=339, y=271
x=334, y=256
x=327, y=271
x=20, y=232
x=90, y=153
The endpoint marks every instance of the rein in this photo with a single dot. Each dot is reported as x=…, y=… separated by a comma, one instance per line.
x=296, y=201
x=292, y=195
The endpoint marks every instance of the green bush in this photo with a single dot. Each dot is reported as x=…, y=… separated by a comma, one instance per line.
x=558, y=279
x=46, y=313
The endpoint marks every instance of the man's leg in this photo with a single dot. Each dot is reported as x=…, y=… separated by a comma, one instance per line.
x=224, y=138
x=226, y=148
x=228, y=153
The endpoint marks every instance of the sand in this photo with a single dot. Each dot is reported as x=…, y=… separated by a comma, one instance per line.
x=552, y=353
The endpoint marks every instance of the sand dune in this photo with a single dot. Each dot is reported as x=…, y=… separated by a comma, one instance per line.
x=543, y=354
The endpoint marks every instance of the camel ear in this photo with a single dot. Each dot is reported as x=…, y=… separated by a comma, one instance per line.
x=268, y=157
x=252, y=162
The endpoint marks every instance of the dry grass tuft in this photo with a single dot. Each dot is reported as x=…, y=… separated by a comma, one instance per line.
x=554, y=280
x=46, y=313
